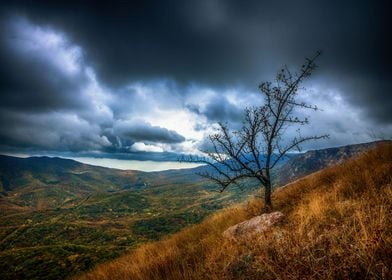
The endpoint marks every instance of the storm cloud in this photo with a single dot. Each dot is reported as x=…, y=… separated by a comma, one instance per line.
x=51, y=99
x=141, y=131
x=155, y=76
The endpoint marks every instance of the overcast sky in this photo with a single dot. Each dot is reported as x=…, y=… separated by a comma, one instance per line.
x=128, y=77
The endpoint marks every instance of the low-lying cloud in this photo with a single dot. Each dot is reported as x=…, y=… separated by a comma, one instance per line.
x=142, y=131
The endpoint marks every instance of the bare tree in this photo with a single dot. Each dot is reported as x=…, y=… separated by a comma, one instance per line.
x=256, y=148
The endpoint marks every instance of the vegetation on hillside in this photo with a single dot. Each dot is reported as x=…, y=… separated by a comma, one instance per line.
x=59, y=217
x=78, y=227
x=338, y=226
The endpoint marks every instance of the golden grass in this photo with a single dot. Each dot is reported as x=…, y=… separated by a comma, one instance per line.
x=338, y=226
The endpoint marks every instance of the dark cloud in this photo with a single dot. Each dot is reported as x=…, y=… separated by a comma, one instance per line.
x=29, y=78
x=74, y=72
x=142, y=131
x=58, y=131
x=50, y=98
x=227, y=42
x=49, y=131
x=219, y=109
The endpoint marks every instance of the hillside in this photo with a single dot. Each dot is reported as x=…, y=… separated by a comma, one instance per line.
x=338, y=226
x=60, y=217
x=303, y=164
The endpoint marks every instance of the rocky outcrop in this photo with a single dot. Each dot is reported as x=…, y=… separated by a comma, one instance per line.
x=253, y=226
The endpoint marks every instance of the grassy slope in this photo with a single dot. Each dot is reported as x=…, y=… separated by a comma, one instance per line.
x=338, y=226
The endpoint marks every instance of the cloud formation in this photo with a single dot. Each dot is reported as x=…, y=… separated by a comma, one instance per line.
x=221, y=43
x=142, y=131
x=52, y=100
x=152, y=76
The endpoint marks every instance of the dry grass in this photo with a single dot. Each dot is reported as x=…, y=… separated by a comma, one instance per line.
x=338, y=226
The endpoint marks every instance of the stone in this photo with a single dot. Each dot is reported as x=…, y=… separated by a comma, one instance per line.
x=253, y=226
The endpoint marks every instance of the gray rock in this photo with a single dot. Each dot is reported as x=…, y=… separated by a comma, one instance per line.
x=253, y=226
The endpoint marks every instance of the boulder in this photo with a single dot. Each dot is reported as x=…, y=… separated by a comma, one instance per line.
x=253, y=226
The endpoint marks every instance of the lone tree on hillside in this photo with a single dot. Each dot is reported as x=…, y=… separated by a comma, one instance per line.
x=255, y=149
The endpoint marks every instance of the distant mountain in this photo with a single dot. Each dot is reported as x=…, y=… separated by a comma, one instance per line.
x=13, y=169
x=305, y=163
x=36, y=173
x=294, y=166
x=57, y=181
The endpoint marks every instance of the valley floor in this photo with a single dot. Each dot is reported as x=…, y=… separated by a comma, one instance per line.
x=55, y=242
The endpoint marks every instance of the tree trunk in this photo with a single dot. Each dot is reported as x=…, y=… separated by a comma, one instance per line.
x=267, y=197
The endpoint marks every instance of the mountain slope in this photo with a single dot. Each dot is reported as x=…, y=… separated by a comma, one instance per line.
x=16, y=172
x=338, y=226
x=59, y=217
x=303, y=164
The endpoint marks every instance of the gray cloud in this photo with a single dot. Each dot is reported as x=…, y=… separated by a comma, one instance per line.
x=142, y=131
x=219, y=109
x=32, y=78
x=49, y=131
x=227, y=42
x=106, y=64
x=51, y=99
